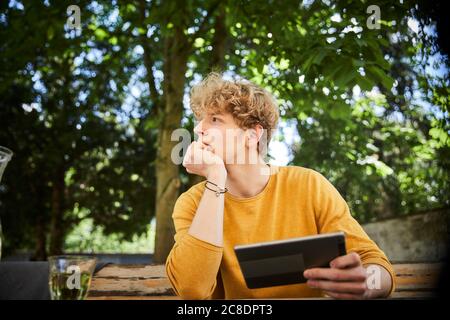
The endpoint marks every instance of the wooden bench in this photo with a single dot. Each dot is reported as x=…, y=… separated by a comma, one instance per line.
x=414, y=281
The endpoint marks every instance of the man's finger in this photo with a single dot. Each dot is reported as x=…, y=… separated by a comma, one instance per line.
x=355, y=274
x=347, y=296
x=192, y=154
x=197, y=145
x=348, y=261
x=339, y=287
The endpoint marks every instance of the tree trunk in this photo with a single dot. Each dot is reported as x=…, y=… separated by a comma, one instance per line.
x=194, y=179
x=57, y=223
x=217, y=62
x=40, y=251
x=40, y=222
x=167, y=173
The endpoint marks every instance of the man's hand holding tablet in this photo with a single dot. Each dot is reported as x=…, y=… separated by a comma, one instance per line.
x=346, y=278
x=319, y=260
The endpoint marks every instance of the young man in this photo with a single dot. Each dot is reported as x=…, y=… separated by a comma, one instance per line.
x=244, y=200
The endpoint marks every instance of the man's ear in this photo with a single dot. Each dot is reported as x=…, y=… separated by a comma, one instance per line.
x=254, y=135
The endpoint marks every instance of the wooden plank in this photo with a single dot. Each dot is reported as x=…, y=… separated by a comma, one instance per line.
x=131, y=281
x=138, y=287
x=133, y=271
x=417, y=276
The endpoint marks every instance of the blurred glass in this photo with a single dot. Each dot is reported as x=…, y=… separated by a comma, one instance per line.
x=5, y=156
x=70, y=276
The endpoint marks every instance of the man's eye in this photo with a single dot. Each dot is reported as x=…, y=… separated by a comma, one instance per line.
x=214, y=119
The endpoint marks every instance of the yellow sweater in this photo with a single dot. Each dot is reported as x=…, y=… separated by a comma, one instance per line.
x=296, y=202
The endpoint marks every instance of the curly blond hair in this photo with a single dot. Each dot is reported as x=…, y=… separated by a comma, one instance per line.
x=248, y=103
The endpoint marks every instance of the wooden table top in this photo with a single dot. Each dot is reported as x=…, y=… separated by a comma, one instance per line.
x=150, y=282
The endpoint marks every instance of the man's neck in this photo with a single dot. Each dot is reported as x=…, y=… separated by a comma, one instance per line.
x=247, y=180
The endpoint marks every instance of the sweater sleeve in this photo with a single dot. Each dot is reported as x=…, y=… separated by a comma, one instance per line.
x=333, y=214
x=193, y=264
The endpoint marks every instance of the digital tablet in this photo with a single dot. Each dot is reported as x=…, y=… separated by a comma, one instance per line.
x=282, y=262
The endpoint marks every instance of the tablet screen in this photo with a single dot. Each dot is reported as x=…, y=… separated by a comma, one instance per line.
x=282, y=262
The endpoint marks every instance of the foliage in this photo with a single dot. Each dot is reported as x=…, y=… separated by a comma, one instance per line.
x=82, y=109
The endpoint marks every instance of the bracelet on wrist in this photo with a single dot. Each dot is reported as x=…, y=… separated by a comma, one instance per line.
x=218, y=191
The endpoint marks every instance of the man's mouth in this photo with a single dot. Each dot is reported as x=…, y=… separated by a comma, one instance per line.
x=208, y=146
x=203, y=142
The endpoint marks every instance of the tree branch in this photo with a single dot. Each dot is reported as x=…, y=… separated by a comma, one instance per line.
x=204, y=23
x=217, y=62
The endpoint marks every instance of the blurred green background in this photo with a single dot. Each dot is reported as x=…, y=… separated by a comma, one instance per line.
x=89, y=112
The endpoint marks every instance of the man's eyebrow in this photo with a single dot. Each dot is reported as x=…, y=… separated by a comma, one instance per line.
x=212, y=114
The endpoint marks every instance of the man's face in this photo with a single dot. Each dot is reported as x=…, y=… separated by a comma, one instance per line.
x=220, y=132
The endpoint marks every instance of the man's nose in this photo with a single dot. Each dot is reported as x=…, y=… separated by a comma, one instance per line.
x=199, y=128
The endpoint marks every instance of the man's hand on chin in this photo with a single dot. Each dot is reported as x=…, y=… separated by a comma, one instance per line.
x=347, y=279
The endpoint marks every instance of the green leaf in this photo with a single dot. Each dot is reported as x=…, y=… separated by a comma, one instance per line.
x=199, y=42
x=319, y=57
x=346, y=74
x=378, y=74
x=113, y=41
x=50, y=33
x=339, y=110
x=361, y=42
x=364, y=83
x=100, y=33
